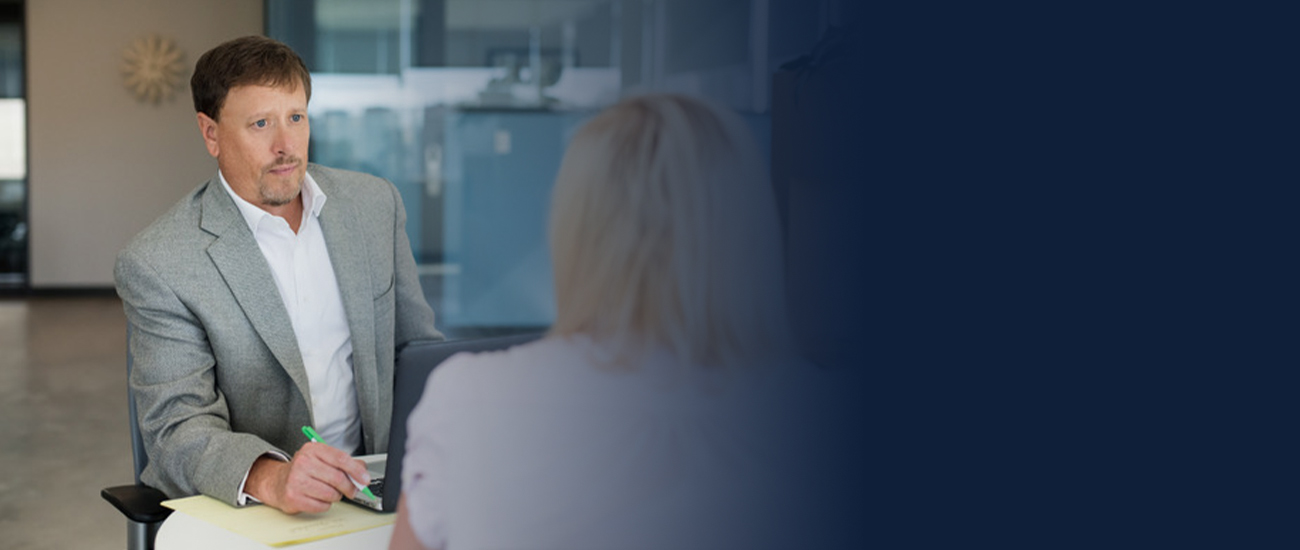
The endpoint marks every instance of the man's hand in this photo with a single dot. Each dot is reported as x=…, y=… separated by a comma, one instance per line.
x=315, y=479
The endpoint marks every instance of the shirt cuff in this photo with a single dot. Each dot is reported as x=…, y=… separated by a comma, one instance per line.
x=245, y=498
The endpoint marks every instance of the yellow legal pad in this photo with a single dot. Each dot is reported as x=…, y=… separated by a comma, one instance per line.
x=272, y=527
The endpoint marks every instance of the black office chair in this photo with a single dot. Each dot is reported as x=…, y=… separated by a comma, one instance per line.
x=140, y=503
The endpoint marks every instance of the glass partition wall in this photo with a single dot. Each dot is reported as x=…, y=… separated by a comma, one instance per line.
x=467, y=106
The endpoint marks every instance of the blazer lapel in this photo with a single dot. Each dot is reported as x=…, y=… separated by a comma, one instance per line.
x=237, y=256
x=349, y=255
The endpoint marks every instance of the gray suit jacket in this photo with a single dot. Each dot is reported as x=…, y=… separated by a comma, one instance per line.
x=218, y=377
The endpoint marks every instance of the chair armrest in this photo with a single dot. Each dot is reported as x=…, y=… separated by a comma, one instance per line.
x=139, y=503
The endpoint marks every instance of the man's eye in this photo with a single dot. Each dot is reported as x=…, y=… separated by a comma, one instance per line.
x=260, y=123
x=296, y=118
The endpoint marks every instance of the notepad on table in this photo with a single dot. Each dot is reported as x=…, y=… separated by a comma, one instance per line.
x=272, y=527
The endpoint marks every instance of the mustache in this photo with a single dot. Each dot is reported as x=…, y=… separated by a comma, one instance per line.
x=284, y=161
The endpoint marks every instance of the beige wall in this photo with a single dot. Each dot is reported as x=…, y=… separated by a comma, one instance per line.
x=103, y=165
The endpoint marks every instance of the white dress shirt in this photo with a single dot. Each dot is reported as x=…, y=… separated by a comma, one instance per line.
x=303, y=273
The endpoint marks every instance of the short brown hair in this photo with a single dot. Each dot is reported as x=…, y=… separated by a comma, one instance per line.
x=250, y=60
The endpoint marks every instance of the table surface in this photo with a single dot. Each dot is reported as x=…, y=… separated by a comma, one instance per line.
x=183, y=531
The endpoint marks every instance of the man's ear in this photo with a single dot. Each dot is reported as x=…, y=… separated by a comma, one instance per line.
x=208, y=128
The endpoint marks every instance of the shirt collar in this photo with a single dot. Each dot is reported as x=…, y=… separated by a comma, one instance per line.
x=313, y=200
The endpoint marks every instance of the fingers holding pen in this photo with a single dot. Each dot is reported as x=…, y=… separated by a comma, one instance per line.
x=316, y=478
x=354, y=468
x=326, y=473
x=289, y=486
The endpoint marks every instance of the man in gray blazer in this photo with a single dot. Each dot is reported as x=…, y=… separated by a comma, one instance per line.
x=270, y=298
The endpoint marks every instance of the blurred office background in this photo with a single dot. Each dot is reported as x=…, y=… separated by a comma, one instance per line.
x=465, y=105
x=13, y=148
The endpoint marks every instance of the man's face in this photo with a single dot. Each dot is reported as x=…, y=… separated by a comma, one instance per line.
x=261, y=142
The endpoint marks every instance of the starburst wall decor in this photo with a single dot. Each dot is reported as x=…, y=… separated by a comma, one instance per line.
x=152, y=68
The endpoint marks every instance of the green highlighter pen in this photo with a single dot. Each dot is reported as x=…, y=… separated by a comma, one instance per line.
x=312, y=435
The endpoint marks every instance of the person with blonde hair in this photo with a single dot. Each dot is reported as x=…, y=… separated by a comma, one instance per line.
x=641, y=419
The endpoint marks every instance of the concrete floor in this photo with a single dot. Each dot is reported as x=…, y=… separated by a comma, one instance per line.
x=63, y=422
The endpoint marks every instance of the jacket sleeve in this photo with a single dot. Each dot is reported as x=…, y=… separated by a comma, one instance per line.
x=183, y=416
x=413, y=319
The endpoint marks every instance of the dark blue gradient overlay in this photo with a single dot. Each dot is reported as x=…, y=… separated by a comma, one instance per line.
x=838, y=251
x=1030, y=245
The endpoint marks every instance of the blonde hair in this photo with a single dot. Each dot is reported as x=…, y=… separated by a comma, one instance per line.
x=664, y=232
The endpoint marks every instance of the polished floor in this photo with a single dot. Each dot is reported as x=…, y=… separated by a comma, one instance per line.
x=63, y=422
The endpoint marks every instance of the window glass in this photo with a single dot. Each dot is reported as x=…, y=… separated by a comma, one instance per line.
x=13, y=150
x=467, y=106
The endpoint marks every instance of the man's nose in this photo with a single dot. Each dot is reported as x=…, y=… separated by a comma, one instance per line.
x=285, y=142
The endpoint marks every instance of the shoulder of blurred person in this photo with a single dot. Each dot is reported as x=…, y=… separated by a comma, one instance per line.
x=668, y=406
x=657, y=452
